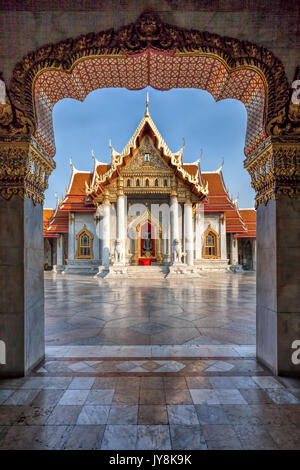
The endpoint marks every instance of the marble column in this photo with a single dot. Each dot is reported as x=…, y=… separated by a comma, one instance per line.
x=174, y=223
x=223, y=241
x=71, y=237
x=277, y=285
x=21, y=285
x=234, y=252
x=188, y=233
x=106, y=233
x=121, y=224
x=254, y=254
x=199, y=219
x=60, y=250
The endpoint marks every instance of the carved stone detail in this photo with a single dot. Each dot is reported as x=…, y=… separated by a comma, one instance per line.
x=147, y=32
x=24, y=170
x=275, y=170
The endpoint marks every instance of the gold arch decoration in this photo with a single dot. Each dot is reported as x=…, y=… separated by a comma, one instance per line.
x=80, y=234
x=223, y=66
x=216, y=236
x=135, y=228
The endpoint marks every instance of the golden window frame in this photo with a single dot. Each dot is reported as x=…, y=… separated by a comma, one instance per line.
x=84, y=231
x=216, y=238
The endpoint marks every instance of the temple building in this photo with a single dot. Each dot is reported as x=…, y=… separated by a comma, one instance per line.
x=148, y=208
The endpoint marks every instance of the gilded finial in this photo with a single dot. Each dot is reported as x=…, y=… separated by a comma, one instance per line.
x=71, y=163
x=221, y=167
x=93, y=155
x=201, y=154
x=147, y=105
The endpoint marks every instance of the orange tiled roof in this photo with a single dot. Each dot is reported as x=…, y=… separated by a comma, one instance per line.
x=218, y=200
x=249, y=218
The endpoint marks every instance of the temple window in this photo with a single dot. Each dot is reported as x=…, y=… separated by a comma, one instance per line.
x=165, y=183
x=137, y=182
x=147, y=183
x=128, y=183
x=156, y=182
x=210, y=245
x=147, y=157
x=84, y=244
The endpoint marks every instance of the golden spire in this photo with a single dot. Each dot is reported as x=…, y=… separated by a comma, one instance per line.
x=221, y=167
x=147, y=105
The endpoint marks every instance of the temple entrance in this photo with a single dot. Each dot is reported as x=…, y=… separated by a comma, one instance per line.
x=147, y=241
x=72, y=68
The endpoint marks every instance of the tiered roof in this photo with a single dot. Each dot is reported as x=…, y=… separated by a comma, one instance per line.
x=210, y=188
x=249, y=217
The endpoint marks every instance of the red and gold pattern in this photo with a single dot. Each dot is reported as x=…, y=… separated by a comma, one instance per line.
x=162, y=71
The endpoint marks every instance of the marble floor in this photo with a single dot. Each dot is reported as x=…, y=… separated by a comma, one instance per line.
x=216, y=309
x=150, y=365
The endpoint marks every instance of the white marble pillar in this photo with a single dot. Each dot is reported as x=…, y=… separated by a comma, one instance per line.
x=234, y=252
x=199, y=219
x=254, y=253
x=72, y=237
x=106, y=233
x=121, y=224
x=174, y=223
x=60, y=250
x=223, y=242
x=188, y=233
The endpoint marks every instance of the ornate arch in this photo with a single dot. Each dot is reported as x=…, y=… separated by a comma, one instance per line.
x=134, y=230
x=216, y=237
x=88, y=254
x=226, y=67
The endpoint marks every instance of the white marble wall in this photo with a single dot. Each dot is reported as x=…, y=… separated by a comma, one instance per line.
x=81, y=219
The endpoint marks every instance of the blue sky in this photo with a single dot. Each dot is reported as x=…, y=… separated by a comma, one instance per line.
x=217, y=128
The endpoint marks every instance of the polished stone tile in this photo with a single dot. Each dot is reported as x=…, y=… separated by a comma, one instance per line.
x=182, y=414
x=64, y=415
x=121, y=437
x=47, y=398
x=255, y=396
x=81, y=383
x=100, y=397
x=4, y=394
x=126, y=397
x=74, y=397
x=198, y=382
x=187, y=438
x=21, y=397
x=152, y=397
x=267, y=382
x=93, y=414
x=178, y=397
x=153, y=437
x=152, y=414
x=282, y=396
x=123, y=414
x=230, y=397
x=211, y=414
x=255, y=437
x=85, y=438
x=204, y=396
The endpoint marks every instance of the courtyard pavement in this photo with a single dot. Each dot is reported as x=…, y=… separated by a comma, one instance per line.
x=150, y=365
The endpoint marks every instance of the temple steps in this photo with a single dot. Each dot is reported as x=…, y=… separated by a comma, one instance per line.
x=151, y=272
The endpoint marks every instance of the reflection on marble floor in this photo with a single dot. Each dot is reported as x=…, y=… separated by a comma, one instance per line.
x=216, y=309
x=150, y=366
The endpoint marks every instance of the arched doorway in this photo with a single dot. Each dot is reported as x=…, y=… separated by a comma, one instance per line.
x=147, y=235
x=166, y=57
